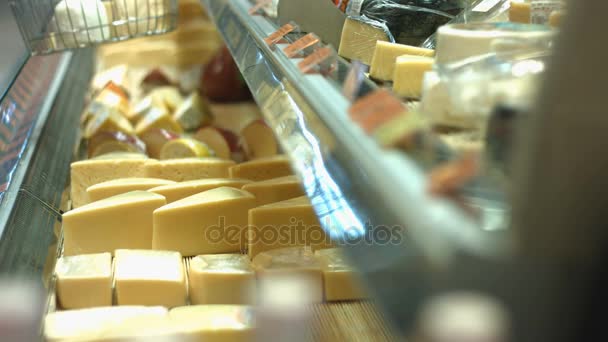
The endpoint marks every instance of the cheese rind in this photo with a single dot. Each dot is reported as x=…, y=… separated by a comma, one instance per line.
x=262, y=169
x=221, y=279
x=181, y=190
x=213, y=221
x=339, y=278
x=285, y=224
x=409, y=75
x=123, y=221
x=385, y=58
x=359, y=40
x=187, y=169
x=85, y=173
x=275, y=189
x=122, y=185
x=84, y=281
x=144, y=277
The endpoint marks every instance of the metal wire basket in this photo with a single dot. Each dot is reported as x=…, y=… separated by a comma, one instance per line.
x=53, y=25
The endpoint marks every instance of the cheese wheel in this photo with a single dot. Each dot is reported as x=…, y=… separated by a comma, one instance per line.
x=122, y=185
x=275, y=189
x=178, y=191
x=84, y=281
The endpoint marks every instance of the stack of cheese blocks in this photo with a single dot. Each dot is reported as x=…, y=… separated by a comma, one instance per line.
x=195, y=41
x=175, y=248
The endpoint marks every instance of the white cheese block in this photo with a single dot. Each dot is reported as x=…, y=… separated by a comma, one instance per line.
x=87, y=324
x=409, y=75
x=213, y=221
x=359, y=40
x=85, y=173
x=263, y=168
x=215, y=323
x=122, y=185
x=123, y=221
x=181, y=190
x=84, y=281
x=385, y=57
x=275, y=189
x=144, y=277
x=289, y=264
x=79, y=23
x=339, y=278
x=221, y=279
x=187, y=169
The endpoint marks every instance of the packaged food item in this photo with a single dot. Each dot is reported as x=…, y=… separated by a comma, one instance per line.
x=84, y=281
x=169, y=96
x=262, y=169
x=122, y=221
x=107, y=142
x=118, y=75
x=221, y=279
x=177, y=191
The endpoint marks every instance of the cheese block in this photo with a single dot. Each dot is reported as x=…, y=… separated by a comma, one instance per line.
x=184, y=148
x=385, y=58
x=520, y=12
x=87, y=324
x=213, y=221
x=122, y=185
x=285, y=224
x=339, y=278
x=187, y=169
x=123, y=221
x=221, y=279
x=144, y=277
x=291, y=264
x=157, y=118
x=359, y=40
x=107, y=119
x=84, y=281
x=409, y=75
x=275, y=189
x=193, y=112
x=85, y=173
x=215, y=323
x=178, y=191
x=262, y=169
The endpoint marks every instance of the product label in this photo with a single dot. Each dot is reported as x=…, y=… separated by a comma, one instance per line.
x=486, y=5
x=277, y=35
x=375, y=109
x=540, y=10
x=301, y=44
x=314, y=59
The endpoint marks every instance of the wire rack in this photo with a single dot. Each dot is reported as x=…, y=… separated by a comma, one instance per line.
x=48, y=26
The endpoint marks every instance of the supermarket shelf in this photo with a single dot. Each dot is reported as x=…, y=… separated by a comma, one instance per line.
x=357, y=188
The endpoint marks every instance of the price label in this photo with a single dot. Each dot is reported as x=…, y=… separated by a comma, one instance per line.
x=376, y=109
x=277, y=35
x=258, y=6
x=314, y=59
x=301, y=44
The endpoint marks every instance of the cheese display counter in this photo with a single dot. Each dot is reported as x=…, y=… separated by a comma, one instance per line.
x=248, y=172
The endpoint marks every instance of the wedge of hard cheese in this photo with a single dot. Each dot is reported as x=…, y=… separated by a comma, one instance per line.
x=187, y=169
x=409, y=75
x=122, y=185
x=145, y=277
x=123, y=221
x=275, y=189
x=84, y=281
x=181, y=190
x=213, y=221
x=221, y=279
x=385, y=58
x=340, y=279
x=262, y=169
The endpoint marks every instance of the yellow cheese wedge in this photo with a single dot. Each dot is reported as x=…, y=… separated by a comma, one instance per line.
x=339, y=278
x=144, y=277
x=519, y=12
x=157, y=117
x=118, y=75
x=184, y=148
x=187, y=169
x=385, y=57
x=215, y=323
x=169, y=96
x=409, y=75
x=285, y=224
x=120, y=186
x=178, y=191
x=85, y=173
x=275, y=189
x=262, y=169
x=107, y=120
x=88, y=324
x=123, y=221
x=359, y=40
x=213, y=221
x=84, y=281
x=221, y=279
x=291, y=264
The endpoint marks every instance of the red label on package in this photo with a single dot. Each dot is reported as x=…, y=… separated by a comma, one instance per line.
x=277, y=35
x=301, y=44
x=314, y=59
x=261, y=3
x=375, y=109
